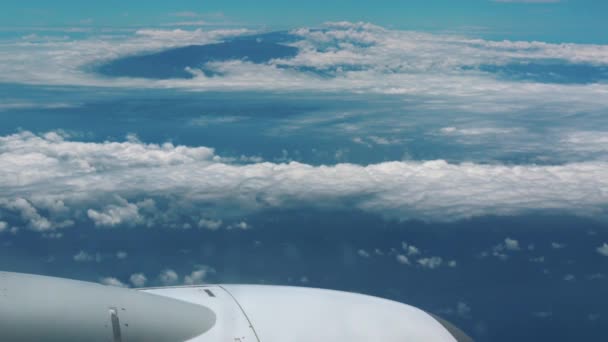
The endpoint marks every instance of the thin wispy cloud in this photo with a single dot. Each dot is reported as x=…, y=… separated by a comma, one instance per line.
x=529, y=1
x=185, y=14
x=188, y=23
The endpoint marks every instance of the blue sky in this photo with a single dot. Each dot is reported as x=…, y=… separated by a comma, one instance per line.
x=574, y=20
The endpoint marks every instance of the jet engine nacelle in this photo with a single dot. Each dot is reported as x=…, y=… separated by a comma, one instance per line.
x=38, y=308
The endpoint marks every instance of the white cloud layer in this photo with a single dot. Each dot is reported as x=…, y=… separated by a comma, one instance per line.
x=29, y=60
x=359, y=57
x=48, y=182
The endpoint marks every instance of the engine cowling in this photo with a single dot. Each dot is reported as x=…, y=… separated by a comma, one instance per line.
x=37, y=308
x=279, y=314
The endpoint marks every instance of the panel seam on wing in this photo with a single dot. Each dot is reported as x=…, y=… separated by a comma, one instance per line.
x=244, y=313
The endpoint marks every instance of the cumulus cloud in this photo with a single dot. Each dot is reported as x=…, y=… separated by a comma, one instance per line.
x=111, y=281
x=462, y=309
x=402, y=259
x=240, y=225
x=557, y=245
x=3, y=226
x=168, y=277
x=210, y=224
x=410, y=249
x=83, y=256
x=363, y=253
x=199, y=275
x=511, y=244
x=28, y=213
x=134, y=183
x=500, y=251
x=121, y=255
x=539, y=259
x=138, y=279
x=113, y=215
x=603, y=249
x=430, y=263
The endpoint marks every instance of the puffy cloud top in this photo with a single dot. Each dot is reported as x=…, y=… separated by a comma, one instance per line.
x=47, y=181
x=511, y=244
x=138, y=279
x=168, y=277
x=430, y=263
x=603, y=249
x=111, y=281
